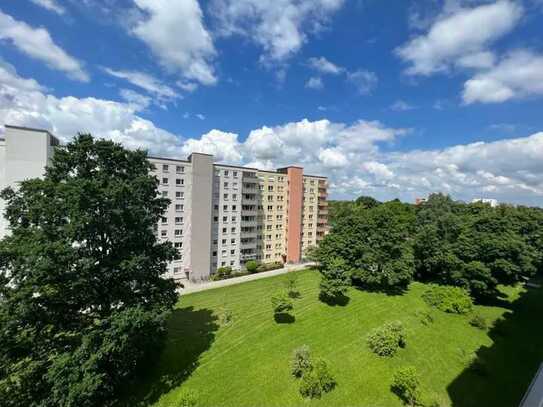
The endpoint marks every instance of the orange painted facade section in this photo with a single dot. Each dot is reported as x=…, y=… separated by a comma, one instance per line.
x=295, y=177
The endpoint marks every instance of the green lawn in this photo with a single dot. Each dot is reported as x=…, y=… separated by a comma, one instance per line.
x=246, y=363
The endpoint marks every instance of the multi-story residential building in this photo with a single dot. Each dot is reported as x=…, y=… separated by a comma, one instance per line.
x=219, y=216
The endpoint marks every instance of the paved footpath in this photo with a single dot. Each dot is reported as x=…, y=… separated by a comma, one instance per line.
x=196, y=287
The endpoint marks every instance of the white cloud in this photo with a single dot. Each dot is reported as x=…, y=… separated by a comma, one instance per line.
x=364, y=81
x=200, y=116
x=50, y=5
x=461, y=37
x=333, y=158
x=224, y=146
x=280, y=27
x=518, y=75
x=37, y=44
x=145, y=82
x=175, y=33
x=401, y=106
x=314, y=83
x=324, y=66
x=24, y=102
x=135, y=99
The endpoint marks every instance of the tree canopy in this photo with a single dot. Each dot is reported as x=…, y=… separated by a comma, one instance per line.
x=82, y=295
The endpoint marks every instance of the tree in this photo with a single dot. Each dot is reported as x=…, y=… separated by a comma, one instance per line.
x=406, y=384
x=335, y=278
x=251, y=266
x=281, y=303
x=82, y=297
x=367, y=202
x=301, y=361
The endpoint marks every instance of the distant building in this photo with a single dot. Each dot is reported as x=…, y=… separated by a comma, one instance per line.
x=492, y=202
x=420, y=201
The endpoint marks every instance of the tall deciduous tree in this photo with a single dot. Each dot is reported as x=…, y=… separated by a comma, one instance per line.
x=82, y=297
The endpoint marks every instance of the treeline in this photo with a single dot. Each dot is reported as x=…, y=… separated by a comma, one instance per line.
x=385, y=246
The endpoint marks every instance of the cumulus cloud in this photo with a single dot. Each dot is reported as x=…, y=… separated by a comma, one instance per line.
x=136, y=100
x=401, y=106
x=224, y=146
x=314, y=83
x=25, y=102
x=175, y=33
x=324, y=66
x=146, y=82
x=364, y=81
x=38, y=44
x=517, y=75
x=50, y=5
x=460, y=37
x=279, y=27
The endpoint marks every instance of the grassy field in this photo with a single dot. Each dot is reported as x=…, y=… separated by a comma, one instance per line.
x=246, y=363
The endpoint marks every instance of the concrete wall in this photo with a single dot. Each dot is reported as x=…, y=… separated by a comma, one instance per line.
x=202, y=198
x=3, y=222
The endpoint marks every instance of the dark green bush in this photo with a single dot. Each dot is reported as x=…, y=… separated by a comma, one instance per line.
x=251, y=266
x=224, y=272
x=301, y=361
x=406, y=384
x=387, y=339
x=478, y=321
x=269, y=266
x=281, y=303
x=317, y=381
x=451, y=299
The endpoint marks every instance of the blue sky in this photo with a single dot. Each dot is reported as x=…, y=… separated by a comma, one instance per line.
x=390, y=99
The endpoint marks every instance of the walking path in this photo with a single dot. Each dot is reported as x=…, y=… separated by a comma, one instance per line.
x=196, y=287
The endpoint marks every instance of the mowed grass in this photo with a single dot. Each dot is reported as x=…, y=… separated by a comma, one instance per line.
x=246, y=363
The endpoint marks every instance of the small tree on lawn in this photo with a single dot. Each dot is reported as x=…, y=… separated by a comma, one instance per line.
x=406, y=384
x=281, y=303
x=335, y=278
x=291, y=284
x=82, y=295
x=301, y=361
x=251, y=266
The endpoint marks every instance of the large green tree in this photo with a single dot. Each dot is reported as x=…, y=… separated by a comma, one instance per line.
x=82, y=297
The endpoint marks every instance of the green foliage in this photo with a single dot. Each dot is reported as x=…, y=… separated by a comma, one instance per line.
x=387, y=339
x=224, y=272
x=424, y=316
x=86, y=302
x=251, y=266
x=335, y=278
x=281, y=303
x=317, y=381
x=406, y=384
x=274, y=265
x=451, y=299
x=478, y=321
x=301, y=361
x=291, y=285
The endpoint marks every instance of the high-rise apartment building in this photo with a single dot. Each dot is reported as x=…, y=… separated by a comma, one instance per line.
x=219, y=216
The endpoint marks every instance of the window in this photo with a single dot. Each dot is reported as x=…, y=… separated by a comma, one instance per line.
x=164, y=194
x=165, y=181
x=179, y=181
x=178, y=232
x=215, y=218
x=226, y=173
x=179, y=208
x=235, y=185
x=233, y=230
x=225, y=196
x=225, y=207
x=233, y=207
x=163, y=233
x=216, y=207
x=176, y=270
x=214, y=254
x=270, y=207
x=232, y=252
x=224, y=230
x=179, y=195
x=178, y=245
x=223, y=253
x=225, y=219
x=215, y=241
x=165, y=168
x=270, y=188
x=234, y=219
x=164, y=220
x=235, y=197
x=231, y=262
x=232, y=241
x=179, y=169
x=226, y=184
x=235, y=173
x=179, y=220
x=223, y=241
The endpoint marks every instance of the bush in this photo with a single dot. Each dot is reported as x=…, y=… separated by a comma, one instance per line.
x=317, y=381
x=187, y=398
x=281, y=303
x=387, y=339
x=478, y=322
x=301, y=361
x=224, y=272
x=251, y=266
x=425, y=317
x=406, y=384
x=269, y=266
x=291, y=285
x=451, y=299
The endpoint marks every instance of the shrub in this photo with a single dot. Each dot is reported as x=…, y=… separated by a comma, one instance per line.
x=317, y=381
x=406, y=384
x=224, y=272
x=281, y=303
x=251, y=266
x=187, y=398
x=269, y=266
x=387, y=339
x=301, y=361
x=448, y=299
x=291, y=285
x=425, y=317
x=478, y=321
